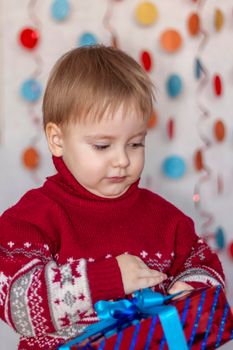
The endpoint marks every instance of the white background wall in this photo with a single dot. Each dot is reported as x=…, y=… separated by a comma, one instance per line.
x=18, y=129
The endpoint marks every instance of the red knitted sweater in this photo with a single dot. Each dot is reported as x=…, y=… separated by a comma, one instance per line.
x=57, y=254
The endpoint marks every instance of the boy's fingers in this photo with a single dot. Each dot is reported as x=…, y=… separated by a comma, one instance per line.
x=149, y=282
x=180, y=286
x=140, y=262
x=145, y=272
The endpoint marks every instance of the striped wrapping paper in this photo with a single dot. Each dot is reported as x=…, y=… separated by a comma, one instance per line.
x=205, y=316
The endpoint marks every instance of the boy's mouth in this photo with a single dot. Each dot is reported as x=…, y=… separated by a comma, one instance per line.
x=116, y=178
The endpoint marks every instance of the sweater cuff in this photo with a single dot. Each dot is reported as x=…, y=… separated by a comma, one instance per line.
x=195, y=284
x=105, y=280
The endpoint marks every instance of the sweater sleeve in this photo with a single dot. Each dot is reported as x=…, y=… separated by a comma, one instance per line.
x=38, y=296
x=195, y=263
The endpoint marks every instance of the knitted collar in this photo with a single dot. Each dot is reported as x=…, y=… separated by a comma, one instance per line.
x=70, y=184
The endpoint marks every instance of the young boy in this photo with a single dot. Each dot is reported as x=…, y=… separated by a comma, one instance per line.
x=90, y=232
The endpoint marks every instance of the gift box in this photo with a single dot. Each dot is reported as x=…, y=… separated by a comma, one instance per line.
x=202, y=320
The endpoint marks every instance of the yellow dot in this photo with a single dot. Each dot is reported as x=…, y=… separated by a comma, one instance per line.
x=218, y=20
x=146, y=13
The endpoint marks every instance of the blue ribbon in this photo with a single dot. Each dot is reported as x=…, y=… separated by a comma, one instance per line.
x=117, y=315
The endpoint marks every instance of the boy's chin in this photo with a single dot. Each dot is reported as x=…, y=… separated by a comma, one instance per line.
x=112, y=193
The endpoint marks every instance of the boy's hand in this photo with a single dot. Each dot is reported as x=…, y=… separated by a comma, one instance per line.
x=179, y=287
x=136, y=275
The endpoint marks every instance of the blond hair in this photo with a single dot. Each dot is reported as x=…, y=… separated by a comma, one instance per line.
x=87, y=81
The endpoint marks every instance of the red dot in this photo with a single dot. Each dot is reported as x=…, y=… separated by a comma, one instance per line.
x=230, y=249
x=217, y=85
x=28, y=38
x=146, y=60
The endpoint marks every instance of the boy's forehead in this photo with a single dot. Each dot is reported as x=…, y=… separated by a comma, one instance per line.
x=124, y=115
x=112, y=127
x=109, y=126
x=120, y=111
x=120, y=116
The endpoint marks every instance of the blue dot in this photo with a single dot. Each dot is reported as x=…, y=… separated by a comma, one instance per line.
x=220, y=238
x=60, y=10
x=174, y=85
x=198, y=69
x=87, y=39
x=174, y=167
x=31, y=90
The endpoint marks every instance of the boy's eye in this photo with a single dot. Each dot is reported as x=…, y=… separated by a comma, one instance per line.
x=136, y=144
x=100, y=147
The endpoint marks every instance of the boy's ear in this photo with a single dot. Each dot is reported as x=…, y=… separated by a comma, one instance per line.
x=55, y=139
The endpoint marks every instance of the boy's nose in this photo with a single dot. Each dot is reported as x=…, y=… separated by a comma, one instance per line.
x=121, y=159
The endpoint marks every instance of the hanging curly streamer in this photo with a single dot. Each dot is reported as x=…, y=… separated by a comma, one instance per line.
x=32, y=162
x=1, y=107
x=37, y=24
x=1, y=96
x=203, y=77
x=107, y=24
x=219, y=134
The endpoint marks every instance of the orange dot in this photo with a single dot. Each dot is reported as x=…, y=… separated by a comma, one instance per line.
x=30, y=158
x=198, y=160
x=194, y=24
x=152, y=121
x=170, y=40
x=219, y=131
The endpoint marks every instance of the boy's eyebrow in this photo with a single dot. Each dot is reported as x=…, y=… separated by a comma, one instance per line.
x=110, y=137
x=142, y=133
x=98, y=136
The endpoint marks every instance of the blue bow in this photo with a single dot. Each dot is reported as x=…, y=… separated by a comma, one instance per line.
x=117, y=315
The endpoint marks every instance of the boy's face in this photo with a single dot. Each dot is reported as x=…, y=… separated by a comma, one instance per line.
x=106, y=156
